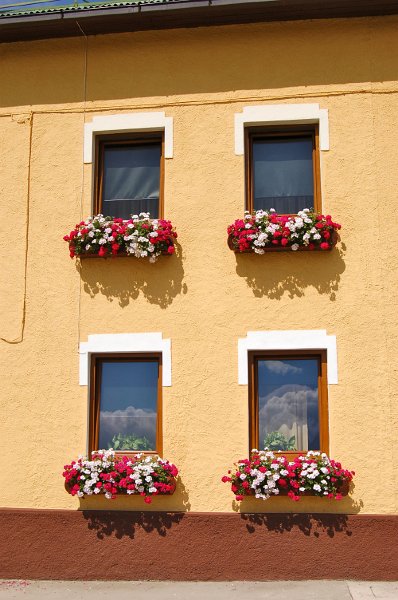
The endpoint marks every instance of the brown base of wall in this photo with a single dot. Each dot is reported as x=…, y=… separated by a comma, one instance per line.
x=89, y=545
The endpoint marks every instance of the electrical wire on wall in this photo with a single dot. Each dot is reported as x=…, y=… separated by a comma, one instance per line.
x=82, y=176
x=20, y=338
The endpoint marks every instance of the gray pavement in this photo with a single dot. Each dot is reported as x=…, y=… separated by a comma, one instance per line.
x=168, y=590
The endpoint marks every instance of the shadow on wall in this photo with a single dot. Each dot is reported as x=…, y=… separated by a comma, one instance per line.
x=108, y=523
x=310, y=524
x=276, y=274
x=124, y=278
x=124, y=515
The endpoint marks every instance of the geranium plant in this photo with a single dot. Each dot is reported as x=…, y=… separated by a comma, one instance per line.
x=139, y=236
x=266, y=474
x=264, y=230
x=111, y=475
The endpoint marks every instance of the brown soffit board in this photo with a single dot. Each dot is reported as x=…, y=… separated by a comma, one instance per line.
x=179, y=13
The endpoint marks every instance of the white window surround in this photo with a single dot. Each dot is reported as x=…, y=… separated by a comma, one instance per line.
x=281, y=114
x=126, y=123
x=123, y=343
x=314, y=339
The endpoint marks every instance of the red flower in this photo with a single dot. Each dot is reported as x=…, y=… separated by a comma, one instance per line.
x=102, y=251
x=284, y=241
x=115, y=248
x=171, y=249
x=148, y=499
x=239, y=497
x=325, y=246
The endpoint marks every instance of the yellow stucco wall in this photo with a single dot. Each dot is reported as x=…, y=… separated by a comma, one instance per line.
x=204, y=298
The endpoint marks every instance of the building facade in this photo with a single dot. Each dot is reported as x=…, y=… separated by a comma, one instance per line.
x=197, y=329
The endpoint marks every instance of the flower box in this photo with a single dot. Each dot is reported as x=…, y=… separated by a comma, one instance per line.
x=140, y=237
x=332, y=242
x=164, y=252
x=112, y=476
x=267, y=475
x=268, y=232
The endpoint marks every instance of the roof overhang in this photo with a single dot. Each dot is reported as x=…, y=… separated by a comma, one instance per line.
x=181, y=13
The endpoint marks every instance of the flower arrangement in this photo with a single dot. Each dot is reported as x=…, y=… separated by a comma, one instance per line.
x=264, y=230
x=147, y=475
x=139, y=236
x=265, y=475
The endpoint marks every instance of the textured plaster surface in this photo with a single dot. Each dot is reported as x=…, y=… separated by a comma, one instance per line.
x=205, y=297
x=56, y=544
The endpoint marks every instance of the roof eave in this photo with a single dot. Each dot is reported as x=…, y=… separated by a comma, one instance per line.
x=184, y=13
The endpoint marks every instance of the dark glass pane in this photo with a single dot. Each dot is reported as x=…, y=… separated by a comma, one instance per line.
x=128, y=409
x=131, y=180
x=288, y=404
x=282, y=174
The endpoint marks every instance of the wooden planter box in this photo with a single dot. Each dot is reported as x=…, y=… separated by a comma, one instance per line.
x=172, y=481
x=118, y=255
x=272, y=248
x=343, y=490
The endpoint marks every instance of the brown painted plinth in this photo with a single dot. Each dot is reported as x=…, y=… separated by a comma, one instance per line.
x=89, y=545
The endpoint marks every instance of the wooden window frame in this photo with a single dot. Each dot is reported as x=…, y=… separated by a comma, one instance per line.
x=256, y=133
x=95, y=400
x=323, y=411
x=125, y=139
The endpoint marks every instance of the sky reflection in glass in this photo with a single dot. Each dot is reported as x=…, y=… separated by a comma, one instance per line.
x=288, y=402
x=129, y=393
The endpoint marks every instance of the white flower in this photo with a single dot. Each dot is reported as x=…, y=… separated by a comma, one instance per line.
x=242, y=476
x=317, y=487
x=295, y=247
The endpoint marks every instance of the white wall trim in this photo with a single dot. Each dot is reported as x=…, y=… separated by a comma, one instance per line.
x=125, y=342
x=125, y=123
x=315, y=339
x=280, y=114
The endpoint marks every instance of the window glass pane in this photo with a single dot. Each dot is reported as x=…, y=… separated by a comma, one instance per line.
x=288, y=404
x=282, y=174
x=131, y=180
x=128, y=405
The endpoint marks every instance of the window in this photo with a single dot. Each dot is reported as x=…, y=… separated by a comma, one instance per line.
x=129, y=175
x=125, y=403
x=288, y=401
x=282, y=169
